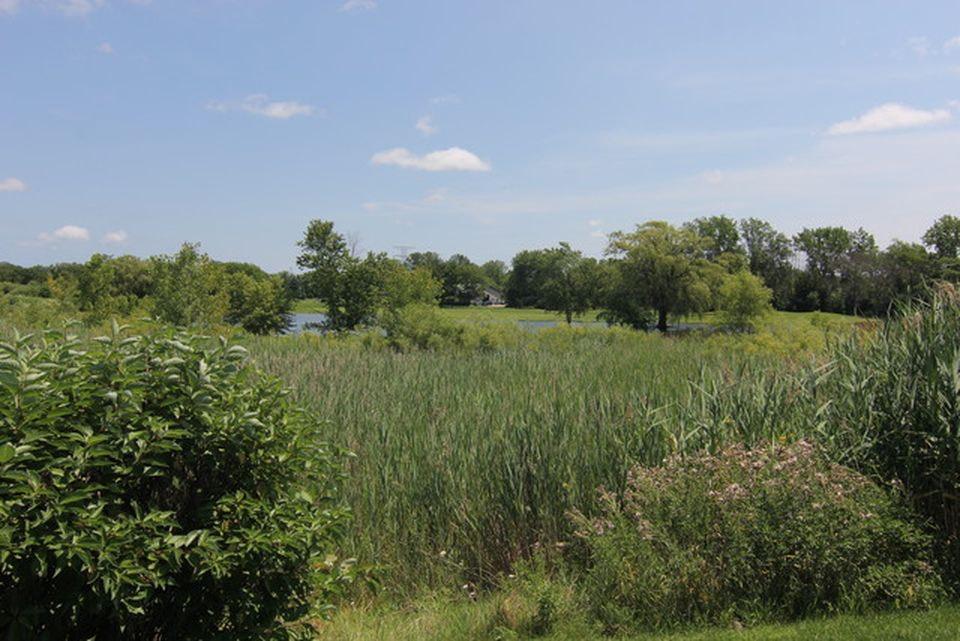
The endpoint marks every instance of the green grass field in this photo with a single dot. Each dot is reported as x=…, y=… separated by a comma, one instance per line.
x=439, y=620
x=786, y=321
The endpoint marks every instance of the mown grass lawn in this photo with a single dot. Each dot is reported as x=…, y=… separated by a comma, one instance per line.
x=441, y=621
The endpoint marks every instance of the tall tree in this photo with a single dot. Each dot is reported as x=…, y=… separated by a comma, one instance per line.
x=570, y=281
x=659, y=268
x=350, y=287
x=462, y=281
x=769, y=253
x=720, y=235
x=944, y=237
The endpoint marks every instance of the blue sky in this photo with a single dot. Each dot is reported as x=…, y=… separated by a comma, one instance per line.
x=130, y=126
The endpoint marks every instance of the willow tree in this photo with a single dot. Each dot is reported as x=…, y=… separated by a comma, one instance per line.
x=659, y=267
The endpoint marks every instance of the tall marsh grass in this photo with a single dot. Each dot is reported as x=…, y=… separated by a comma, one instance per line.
x=467, y=460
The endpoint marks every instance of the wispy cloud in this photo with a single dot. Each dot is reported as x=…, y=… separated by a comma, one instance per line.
x=260, y=104
x=12, y=184
x=919, y=45
x=452, y=159
x=67, y=233
x=358, y=5
x=117, y=237
x=69, y=8
x=425, y=126
x=9, y=7
x=105, y=48
x=446, y=99
x=888, y=117
x=951, y=44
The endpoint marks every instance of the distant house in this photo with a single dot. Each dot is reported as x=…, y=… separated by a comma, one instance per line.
x=489, y=296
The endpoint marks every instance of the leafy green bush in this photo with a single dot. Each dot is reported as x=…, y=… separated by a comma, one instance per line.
x=743, y=300
x=158, y=487
x=752, y=535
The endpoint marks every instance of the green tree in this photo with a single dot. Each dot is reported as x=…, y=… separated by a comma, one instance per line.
x=659, y=268
x=258, y=304
x=905, y=271
x=189, y=288
x=743, y=300
x=720, y=234
x=350, y=287
x=944, y=237
x=524, y=283
x=462, y=280
x=768, y=254
x=826, y=249
x=495, y=272
x=569, y=282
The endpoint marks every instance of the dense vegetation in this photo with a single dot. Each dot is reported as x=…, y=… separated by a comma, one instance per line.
x=156, y=487
x=576, y=474
x=650, y=275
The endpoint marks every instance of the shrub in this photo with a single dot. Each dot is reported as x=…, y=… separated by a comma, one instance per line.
x=753, y=535
x=743, y=300
x=158, y=487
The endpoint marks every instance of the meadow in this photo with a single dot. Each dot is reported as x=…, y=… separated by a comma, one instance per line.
x=467, y=460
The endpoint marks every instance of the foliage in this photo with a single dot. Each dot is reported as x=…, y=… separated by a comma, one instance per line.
x=463, y=281
x=720, y=233
x=349, y=286
x=188, y=290
x=894, y=408
x=944, y=237
x=258, y=303
x=743, y=300
x=659, y=268
x=769, y=253
x=774, y=533
x=570, y=284
x=157, y=487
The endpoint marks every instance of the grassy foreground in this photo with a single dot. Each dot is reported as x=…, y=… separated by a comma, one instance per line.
x=442, y=621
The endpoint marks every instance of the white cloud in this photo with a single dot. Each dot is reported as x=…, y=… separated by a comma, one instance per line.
x=594, y=222
x=67, y=232
x=261, y=105
x=12, y=184
x=115, y=237
x=919, y=45
x=9, y=7
x=425, y=126
x=887, y=117
x=951, y=44
x=105, y=48
x=358, y=5
x=452, y=159
x=596, y=233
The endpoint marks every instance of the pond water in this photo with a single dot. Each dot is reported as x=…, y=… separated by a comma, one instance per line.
x=300, y=322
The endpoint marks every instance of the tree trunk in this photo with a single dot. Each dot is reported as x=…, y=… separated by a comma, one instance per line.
x=662, y=320
x=569, y=317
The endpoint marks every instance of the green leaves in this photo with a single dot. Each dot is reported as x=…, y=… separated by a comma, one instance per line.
x=155, y=485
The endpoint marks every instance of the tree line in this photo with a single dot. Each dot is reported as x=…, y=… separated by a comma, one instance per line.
x=646, y=276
